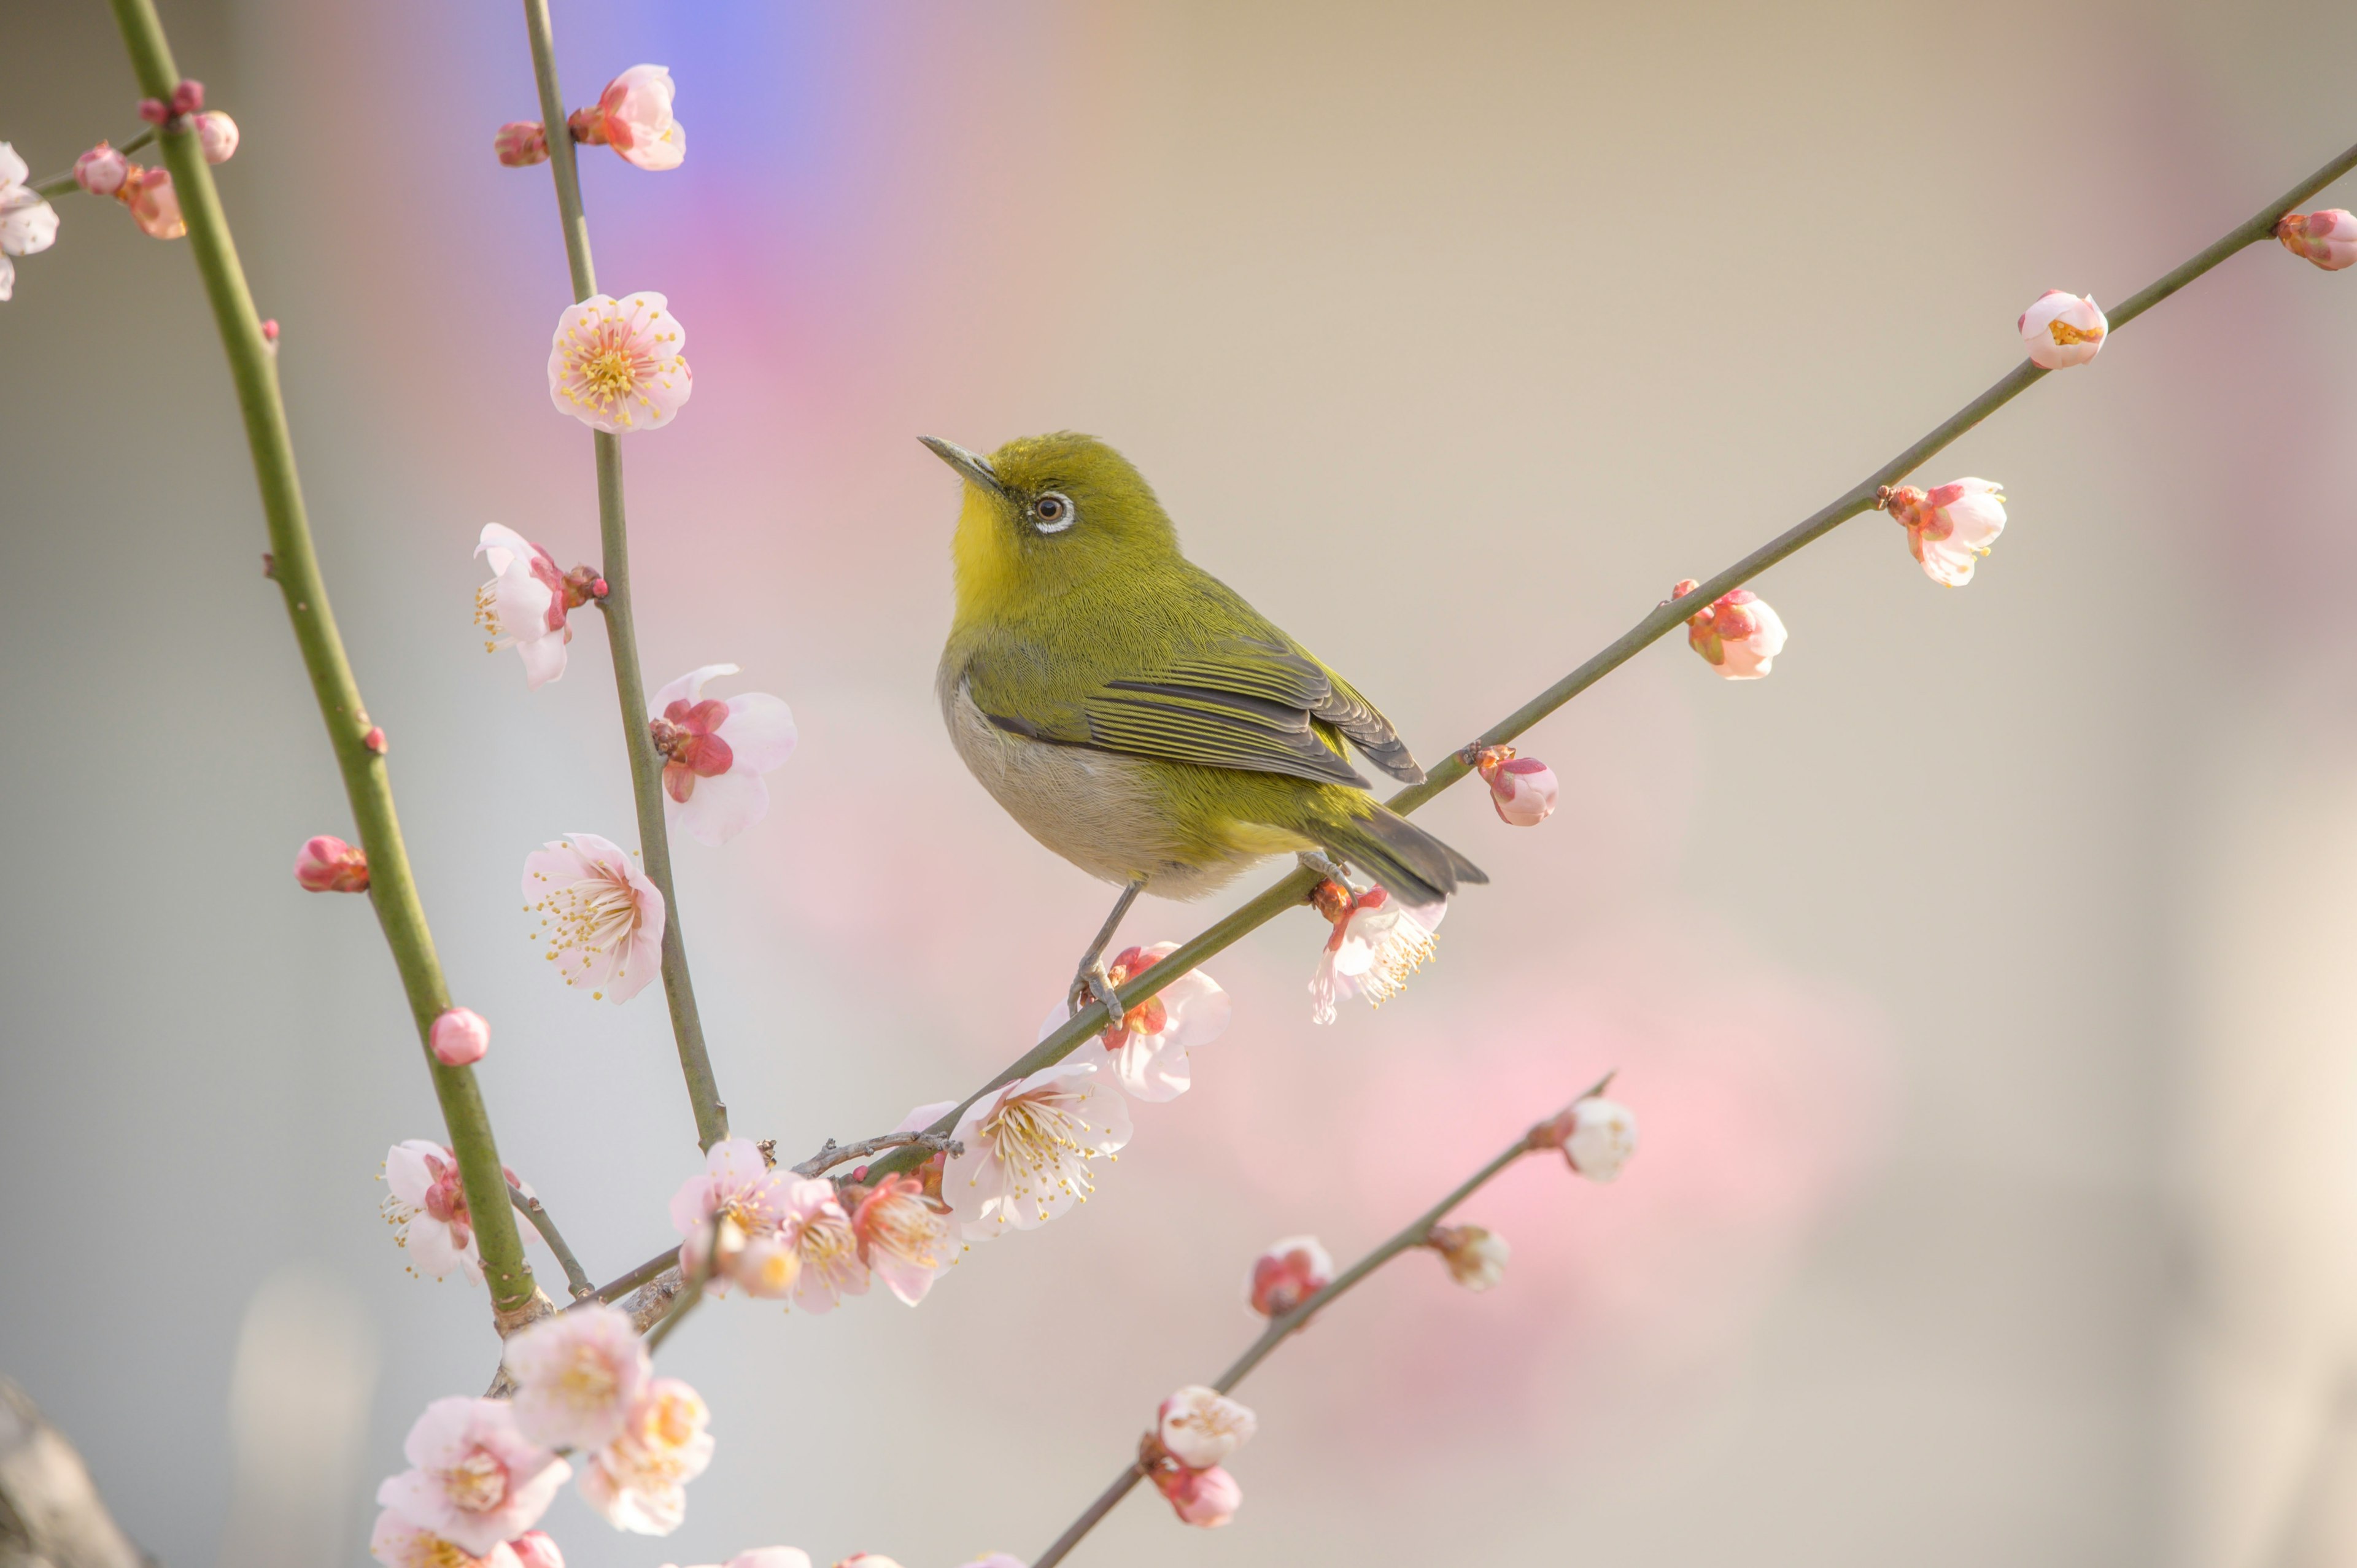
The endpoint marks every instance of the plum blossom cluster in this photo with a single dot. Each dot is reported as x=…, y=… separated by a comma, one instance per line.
x=1195, y=1432
x=633, y=115
x=778, y=1235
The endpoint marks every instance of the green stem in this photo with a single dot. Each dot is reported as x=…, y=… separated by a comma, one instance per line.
x=1091, y=1020
x=58, y=184
x=576, y=1278
x=391, y=887
x=623, y=637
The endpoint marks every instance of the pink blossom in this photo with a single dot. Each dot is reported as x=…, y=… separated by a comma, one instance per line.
x=154, y=205
x=1148, y=1046
x=1476, y=1258
x=427, y=1203
x=1205, y=1499
x=1737, y=634
x=763, y=1557
x=633, y=117
x=1028, y=1144
x=2328, y=238
x=1521, y=789
x=997, y=1560
x=1377, y=943
x=520, y=143
x=601, y=920
x=459, y=1036
x=475, y=1479
x=2063, y=330
x=28, y=222
x=523, y=605
x=216, y=136
x=638, y=1481
x=1201, y=1427
x=903, y=1236
x=617, y=366
x=101, y=170
x=329, y=865
x=1602, y=1137
x=1288, y=1274
x=578, y=1376
x=737, y=1185
x=533, y=1548
x=714, y=751
x=1950, y=526
x=826, y=1245
x=400, y=1544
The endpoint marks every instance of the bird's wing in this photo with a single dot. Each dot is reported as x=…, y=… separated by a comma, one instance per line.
x=1245, y=702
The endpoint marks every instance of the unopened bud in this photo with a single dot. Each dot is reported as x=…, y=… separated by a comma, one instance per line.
x=329, y=865
x=1522, y=789
x=1200, y=1426
x=2328, y=238
x=189, y=98
x=583, y=585
x=154, y=205
x=459, y=1038
x=152, y=110
x=1288, y=1274
x=1737, y=634
x=2063, y=330
x=520, y=143
x=1476, y=1258
x=1949, y=527
x=1601, y=1136
x=535, y=1550
x=217, y=134
x=100, y=171
x=1204, y=1498
x=374, y=740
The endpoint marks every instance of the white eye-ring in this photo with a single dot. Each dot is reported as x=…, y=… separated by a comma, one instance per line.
x=1054, y=512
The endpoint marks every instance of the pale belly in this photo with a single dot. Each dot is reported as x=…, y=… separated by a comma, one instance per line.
x=1095, y=809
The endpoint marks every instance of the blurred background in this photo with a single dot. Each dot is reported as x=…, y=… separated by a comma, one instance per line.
x=1979, y=978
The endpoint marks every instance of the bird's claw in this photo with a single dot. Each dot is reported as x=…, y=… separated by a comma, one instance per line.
x=1091, y=985
x=1318, y=861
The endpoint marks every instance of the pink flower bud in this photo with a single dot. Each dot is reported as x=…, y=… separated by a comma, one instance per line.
x=1522, y=789
x=535, y=1550
x=520, y=143
x=1200, y=1427
x=217, y=134
x=329, y=865
x=154, y=205
x=460, y=1036
x=1476, y=1258
x=100, y=171
x=2328, y=238
x=1737, y=634
x=2063, y=330
x=1204, y=1498
x=152, y=110
x=1288, y=1274
x=374, y=740
x=1602, y=1137
x=189, y=98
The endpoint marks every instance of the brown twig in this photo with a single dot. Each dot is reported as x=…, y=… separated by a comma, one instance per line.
x=576, y=1280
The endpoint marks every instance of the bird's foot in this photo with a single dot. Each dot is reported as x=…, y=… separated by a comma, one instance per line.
x=1319, y=862
x=1091, y=985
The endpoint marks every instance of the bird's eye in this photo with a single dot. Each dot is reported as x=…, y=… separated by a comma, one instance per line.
x=1054, y=512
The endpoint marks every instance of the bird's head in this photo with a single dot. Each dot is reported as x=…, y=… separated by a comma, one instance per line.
x=1045, y=513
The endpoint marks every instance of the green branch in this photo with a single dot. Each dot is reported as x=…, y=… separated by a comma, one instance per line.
x=391, y=888
x=622, y=636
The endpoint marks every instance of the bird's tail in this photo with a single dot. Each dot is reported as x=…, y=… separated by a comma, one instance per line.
x=1405, y=859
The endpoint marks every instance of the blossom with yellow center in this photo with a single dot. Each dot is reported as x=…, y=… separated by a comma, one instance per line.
x=1027, y=1147
x=616, y=365
x=601, y=921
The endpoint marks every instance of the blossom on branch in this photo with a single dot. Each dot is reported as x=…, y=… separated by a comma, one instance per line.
x=153, y=203
x=639, y=1481
x=520, y=143
x=1204, y=1498
x=2328, y=238
x=460, y=1036
x=2063, y=330
x=1147, y=1046
x=824, y=1245
x=28, y=222
x=474, y=1479
x=328, y=864
x=578, y=1376
x=400, y=1544
x=101, y=170
x=523, y=607
x=1378, y=942
x=904, y=1237
x=1288, y=1274
x=738, y=1188
x=1476, y=1258
x=1597, y=1137
x=1028, y=1144
x=714, y=751
x=633, y=117
x=1737, y=634
x=217, y=135
x=1523, y=790
x=616, y=365
x=425, y=1203
x=600, y=918
x=1200, y=1426
x=1950, y=526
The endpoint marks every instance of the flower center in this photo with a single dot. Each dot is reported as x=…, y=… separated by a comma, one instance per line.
x=478, y=1483
x=595, y=914
x=2065, y=334
x=588, y=1380
x=609, y=370
x=905, y=1228
x=674, y=1423
x=1036, y=1139
x=828, y=1246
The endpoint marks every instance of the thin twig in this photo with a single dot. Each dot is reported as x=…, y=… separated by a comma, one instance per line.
x=694, y=1295
x=833, y=1154
x=392, y=889
x=621, y=632
x=58, y=184
x=1281, y=1328
x=575, y=1279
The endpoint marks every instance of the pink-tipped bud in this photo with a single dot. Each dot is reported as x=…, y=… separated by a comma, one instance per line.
x=1200, y=1427
x=374, y=740
x=152, y=110
x=460, y=1036
x=154, y=205
x=1522, y=789
x=2328, y=238
x=270, y=332
x=1204, y=1498
x=1288, y=1274
x=1737, y=634
x=2063, y=330
x=1599, y=1137
x=520, y=143
x=1476, y=1258
x=189, y=98
x=217, y=134
x=532, y=1549
x=101, y=170
x=329, y=865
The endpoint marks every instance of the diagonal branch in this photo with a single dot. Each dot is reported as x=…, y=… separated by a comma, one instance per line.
x=577, y=1279
x=391, y=887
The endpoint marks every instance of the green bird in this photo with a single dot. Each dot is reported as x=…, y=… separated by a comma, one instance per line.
x=1133, y=714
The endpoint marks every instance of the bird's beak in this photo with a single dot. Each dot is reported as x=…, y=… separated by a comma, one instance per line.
x=972, y=465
